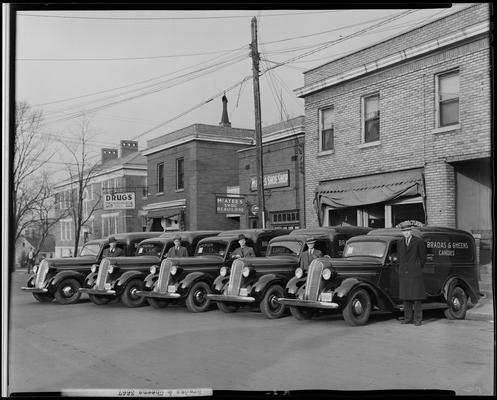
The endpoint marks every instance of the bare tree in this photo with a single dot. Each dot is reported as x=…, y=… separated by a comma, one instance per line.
x=30, y=156
x=81, y=171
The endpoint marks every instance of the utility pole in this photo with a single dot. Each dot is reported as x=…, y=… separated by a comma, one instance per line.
x=258, y=127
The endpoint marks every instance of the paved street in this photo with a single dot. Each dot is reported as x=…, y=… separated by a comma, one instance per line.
x=88, y=346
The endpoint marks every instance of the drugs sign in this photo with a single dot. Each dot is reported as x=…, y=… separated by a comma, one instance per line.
x=119, y=201
x=230, y=205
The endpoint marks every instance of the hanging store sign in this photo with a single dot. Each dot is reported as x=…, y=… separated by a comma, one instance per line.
x=230, y=205
x=119, y=201
x=277, y=179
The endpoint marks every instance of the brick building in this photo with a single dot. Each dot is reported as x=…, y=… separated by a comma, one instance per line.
x=186, y=169
x=401, y=130
x=283, y=164
x=119, y=172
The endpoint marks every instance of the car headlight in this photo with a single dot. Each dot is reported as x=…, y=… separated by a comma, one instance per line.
x=299, y=273
x=111, y=269
x=326, y=274
x=174, y=269
x=223, y=271
x=35, y=269
x=94, y=268
x=246, y=271
x=153, y=269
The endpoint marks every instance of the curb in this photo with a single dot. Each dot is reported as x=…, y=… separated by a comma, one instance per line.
x=482, y=311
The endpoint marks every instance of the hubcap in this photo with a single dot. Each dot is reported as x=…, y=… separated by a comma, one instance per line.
x=456, y=303
x=199, y=296
x=358, y=309
x=67, y=291
x=273, y=302
x=132, y=292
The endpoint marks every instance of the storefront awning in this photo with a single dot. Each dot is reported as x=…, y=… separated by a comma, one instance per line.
x=372, y=189
x=164, y=212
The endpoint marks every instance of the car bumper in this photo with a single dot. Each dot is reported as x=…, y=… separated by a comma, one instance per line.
x=104, y=292
x=158, y=295
x=34, y=289
x=308, y=303
x=232, y=299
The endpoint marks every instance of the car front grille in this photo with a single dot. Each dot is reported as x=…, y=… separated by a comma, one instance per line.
x=235, y=278
x=102, y=274
x=41, y=274
x=164, y=274
x=313, y=280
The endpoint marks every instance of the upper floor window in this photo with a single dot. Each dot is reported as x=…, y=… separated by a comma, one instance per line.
x=109, y=224
x=447, y=95
x=326, y=129
x=371, y=118
x=160, y=177
x=180, y=173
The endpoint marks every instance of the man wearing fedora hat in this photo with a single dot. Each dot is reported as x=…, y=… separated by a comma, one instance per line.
x=113, y=250
x=310, y=254
x=412, y=257
x=243, y=250
x=177, y=250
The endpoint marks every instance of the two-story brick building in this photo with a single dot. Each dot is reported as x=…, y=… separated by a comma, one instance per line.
x=120, y=172
x=186, y=169
x=283, y=163
x=401, y=130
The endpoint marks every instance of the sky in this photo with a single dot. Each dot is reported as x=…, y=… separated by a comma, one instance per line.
x=140, y=74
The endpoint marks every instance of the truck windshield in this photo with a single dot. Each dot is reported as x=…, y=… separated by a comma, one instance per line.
x=212, y=248
x=89, y=249
x=284, y=248
x=366, y=248
x=149, y=249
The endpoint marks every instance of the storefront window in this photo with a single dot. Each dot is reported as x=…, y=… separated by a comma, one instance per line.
x=343, y=216
x=375, y=214
x=404, y=212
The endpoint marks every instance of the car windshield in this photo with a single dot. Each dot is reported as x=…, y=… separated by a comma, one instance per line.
x=149, y=249
x=210, y=248
x=89, y=249
x=366, y=248
x=284, y=248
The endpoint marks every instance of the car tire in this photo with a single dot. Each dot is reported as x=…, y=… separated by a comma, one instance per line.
x=270, y=306
x=129, y=297
x=358, y=308
x=43, y=297
x=99, y=300
x=197, y=300
x=457, y=301
x=157, y=303
x=227, y=308
x=302, y=313
x=67, y=291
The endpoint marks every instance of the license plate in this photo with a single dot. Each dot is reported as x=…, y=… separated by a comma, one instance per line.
x=171, y=289
x=243, y=292
x=107, y=286
x=326, y=297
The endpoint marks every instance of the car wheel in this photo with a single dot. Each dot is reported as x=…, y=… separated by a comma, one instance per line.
x=358, y=308
x=270, y=306
x=227, y=308
x=67, y=291
x=129, y=297
x=458, y=304
x=157, y=303
x=302, y=313
x=99, y=300
x=197, y=300
x=43, y=297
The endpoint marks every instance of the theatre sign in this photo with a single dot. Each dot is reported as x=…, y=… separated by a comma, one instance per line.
x=274, y=180
x=119, y=201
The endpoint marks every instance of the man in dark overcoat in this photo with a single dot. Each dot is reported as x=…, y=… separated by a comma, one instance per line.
x=113, y=250
x=177, y=250
x=310, y=254
x=412, y=257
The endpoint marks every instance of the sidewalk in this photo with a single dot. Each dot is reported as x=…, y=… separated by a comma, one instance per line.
x=482, y=311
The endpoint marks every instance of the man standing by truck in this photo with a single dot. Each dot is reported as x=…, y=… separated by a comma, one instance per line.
x=412, y=258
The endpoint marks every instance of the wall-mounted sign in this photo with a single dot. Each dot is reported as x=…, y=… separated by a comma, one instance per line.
x=230, y=205
x=276, y=179
x=119, y=201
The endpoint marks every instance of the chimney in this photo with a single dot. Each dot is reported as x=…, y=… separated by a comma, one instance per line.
x=128, y=147
x=224, y=118
x=108, y=154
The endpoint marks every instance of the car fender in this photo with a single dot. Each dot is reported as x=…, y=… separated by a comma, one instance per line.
x=150, y=279
x=126, y=277
x=193, y=277
x=294, y=284
x=265, y=281
x=453, y=281
x=220, y=282
x=66, y=274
